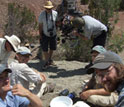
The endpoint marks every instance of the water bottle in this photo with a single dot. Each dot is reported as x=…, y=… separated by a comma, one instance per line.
x=65, y=92
x=72, y=95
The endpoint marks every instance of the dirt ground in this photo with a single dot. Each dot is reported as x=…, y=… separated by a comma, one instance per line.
x=66, y=75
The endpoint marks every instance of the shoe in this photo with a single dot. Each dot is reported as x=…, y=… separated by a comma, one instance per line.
x=51, y=62
x=46, y=65
x=88, y=66
x=49, y=88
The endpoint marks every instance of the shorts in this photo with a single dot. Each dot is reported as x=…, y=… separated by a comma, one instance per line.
x=48, y=43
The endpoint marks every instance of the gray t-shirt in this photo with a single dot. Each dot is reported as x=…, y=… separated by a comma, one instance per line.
x=48, y=23
x=93, y=27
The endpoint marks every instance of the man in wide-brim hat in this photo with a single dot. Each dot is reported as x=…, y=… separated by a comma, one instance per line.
x=8, y=44
x=47, y=30
x=48, y=5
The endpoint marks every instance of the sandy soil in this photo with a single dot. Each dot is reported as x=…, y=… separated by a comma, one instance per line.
x=66, y=75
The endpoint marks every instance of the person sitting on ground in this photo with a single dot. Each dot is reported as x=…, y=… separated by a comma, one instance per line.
x=16, y=96
x=25, y=75
x=8, y=45
x=109, y=68
x=94, y=52
x=94, y=92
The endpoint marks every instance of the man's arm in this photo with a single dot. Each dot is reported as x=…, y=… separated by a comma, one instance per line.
x=80, y=35
x=84, y=95
x=21, y=91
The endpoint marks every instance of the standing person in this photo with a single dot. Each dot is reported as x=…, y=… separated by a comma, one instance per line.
x=47, y=31
x=16, y=96
x=8, y=45
x=24, y=75
x=109, y=69
x=92, y=29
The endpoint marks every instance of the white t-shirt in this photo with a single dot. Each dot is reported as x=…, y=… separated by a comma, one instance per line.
x=93, y=27
x=48, y=23
x=4, y=54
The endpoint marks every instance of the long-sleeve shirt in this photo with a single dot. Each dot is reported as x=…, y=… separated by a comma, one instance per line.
x=4, y=54
x=23, y=74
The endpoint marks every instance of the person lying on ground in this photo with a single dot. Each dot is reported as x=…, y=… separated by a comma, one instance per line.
x=109, y=68
x=94, y=92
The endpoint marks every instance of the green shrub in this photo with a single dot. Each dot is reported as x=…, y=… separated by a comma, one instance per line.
x=80, y=52
x=116, y=43
x=21, y=22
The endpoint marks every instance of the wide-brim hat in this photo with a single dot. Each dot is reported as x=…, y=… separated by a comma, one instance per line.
x=14, y=41
x=48, y=5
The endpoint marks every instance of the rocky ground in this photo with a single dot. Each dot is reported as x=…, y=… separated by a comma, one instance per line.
x=66, y=75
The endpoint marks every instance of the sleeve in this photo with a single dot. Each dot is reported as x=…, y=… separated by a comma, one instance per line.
x=40, y=21
x=120, y=102
x=28, y=73
x=88, y=33
x=23, y=101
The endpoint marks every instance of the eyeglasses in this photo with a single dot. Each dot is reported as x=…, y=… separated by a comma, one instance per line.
x=102, y=73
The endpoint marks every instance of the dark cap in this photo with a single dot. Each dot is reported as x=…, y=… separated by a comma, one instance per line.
x=106, y=59
x=78, y=22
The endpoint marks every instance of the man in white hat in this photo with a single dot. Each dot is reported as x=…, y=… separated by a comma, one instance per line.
x=8, y=45
x=25, y=75
x=47, y=30
x=16, y=96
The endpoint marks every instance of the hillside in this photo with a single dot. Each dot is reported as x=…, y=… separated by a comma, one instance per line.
x=37, y=6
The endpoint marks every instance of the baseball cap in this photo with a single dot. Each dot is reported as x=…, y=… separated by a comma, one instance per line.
x=24, y=50
x=4, y=67
x=106, y=59
x=78, y=22
x=99, y=49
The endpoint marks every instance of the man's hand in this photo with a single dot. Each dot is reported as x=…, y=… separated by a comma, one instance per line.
x=43, y=77
x=84, y=95
x=18, y=89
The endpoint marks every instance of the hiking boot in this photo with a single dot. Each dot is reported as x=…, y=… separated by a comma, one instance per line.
x=46, y=65
x=51, y=62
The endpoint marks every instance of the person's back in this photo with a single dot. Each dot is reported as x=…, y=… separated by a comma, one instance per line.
x=22, y=74
x=92, y=26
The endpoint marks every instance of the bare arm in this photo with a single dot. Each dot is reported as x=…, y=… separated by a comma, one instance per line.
x=80, y=35
x=84, y=95
x=21, y=91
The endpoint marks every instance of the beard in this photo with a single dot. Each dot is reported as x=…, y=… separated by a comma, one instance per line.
x=110, y=85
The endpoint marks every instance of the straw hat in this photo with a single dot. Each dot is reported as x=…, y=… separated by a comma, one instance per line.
x=14, y=41
x=48, y=5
